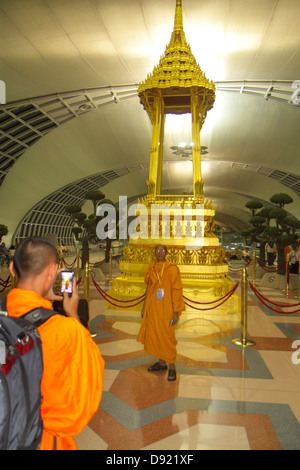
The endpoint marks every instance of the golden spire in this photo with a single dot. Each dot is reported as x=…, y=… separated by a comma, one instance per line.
x=178, y=23
x=178, y=33
x=177, y=67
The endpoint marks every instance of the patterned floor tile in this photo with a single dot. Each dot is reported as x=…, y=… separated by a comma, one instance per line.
x=225, y=396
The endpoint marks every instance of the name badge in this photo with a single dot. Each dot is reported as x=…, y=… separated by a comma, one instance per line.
x=160, y=294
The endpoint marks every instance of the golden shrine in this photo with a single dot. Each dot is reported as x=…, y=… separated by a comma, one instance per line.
x=184, y=223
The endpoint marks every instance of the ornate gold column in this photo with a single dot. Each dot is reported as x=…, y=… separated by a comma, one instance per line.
x=161, y=149
x=198, y=183
x=156, y=117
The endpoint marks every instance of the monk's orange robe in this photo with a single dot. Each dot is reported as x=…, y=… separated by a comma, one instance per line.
x=72, y=381
x=155, y=333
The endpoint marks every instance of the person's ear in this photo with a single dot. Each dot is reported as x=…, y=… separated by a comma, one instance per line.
x=11, y=269
x=52, y=272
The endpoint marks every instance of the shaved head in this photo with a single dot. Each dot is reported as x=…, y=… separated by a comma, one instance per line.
x=32, y=256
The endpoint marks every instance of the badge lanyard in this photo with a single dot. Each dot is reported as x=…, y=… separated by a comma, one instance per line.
x=160, y=292
x=162, y=273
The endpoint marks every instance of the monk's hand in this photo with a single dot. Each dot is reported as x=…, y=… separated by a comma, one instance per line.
x=175, y=318
x=52, y=297
x=70, y=304
x=50, y=294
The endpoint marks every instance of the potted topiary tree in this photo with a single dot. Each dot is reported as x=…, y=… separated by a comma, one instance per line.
x=284, y=231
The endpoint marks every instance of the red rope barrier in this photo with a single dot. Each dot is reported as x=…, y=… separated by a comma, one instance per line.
x=213, y=301
x=4, y=287
x=269, y=269
x=117, y=300
x=94, y=265
x=5, y=284
x=98, y=264
x=231, y=268
x=2, y=282
x=216, y=306
x=245, y=265
x=69, y=266
x=261, y=298
x=235, y=270
x=270, y=301
x=106, y=297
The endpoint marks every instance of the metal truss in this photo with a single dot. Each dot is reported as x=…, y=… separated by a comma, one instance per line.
x=23, y=123
x=49, y=216
x=285, y=91
x=290, y=180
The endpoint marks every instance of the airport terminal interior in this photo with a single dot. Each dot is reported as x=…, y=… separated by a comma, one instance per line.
x=192, y=104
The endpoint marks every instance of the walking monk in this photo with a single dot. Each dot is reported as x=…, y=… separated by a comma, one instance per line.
x=162, y=306
x=72, y=380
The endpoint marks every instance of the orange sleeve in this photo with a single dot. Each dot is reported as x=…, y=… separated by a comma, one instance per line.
x=72, y=381
x=147, y=273
x=177, y=290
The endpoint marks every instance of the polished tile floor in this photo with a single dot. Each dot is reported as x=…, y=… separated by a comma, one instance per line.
x=225, y=396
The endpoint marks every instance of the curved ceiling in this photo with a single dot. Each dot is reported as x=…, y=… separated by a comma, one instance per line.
x=72, y=119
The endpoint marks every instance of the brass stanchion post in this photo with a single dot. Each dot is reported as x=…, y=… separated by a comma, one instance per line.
x=287, y=275
x=87, y=280
x=243, y=341
x=77, y=263
x=61, y=258
x=110, y=267
x=253, y=266
x=87, y=284
x=299, y=281
x=61, y=261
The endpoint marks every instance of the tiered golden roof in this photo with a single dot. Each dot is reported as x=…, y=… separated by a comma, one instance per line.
x=177, y=68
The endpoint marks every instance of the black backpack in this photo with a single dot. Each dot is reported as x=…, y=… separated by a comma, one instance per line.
x=21, y=370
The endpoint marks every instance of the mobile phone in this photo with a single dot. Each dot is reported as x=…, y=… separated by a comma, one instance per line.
x=66, y=282
x=171, y=323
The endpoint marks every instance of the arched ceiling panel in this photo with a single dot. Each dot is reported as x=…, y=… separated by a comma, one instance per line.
x=68, y=43
x=49, y=215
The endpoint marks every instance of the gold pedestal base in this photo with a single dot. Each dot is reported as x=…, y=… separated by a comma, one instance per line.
x=206, y=289
x=192, y=246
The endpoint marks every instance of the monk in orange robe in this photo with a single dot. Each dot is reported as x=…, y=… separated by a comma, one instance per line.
x=72, y=381
x=162, y=306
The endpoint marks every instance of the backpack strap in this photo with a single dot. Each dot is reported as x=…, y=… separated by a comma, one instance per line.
x=36, y=317
x=3, y=305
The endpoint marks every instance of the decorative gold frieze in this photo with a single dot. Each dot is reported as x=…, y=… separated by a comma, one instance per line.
x=212, y=256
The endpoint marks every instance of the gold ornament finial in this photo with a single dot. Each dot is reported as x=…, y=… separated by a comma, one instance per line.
x=178, y=23
x=178, y=35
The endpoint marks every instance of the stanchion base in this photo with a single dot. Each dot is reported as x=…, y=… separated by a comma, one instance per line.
x=243, y=342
